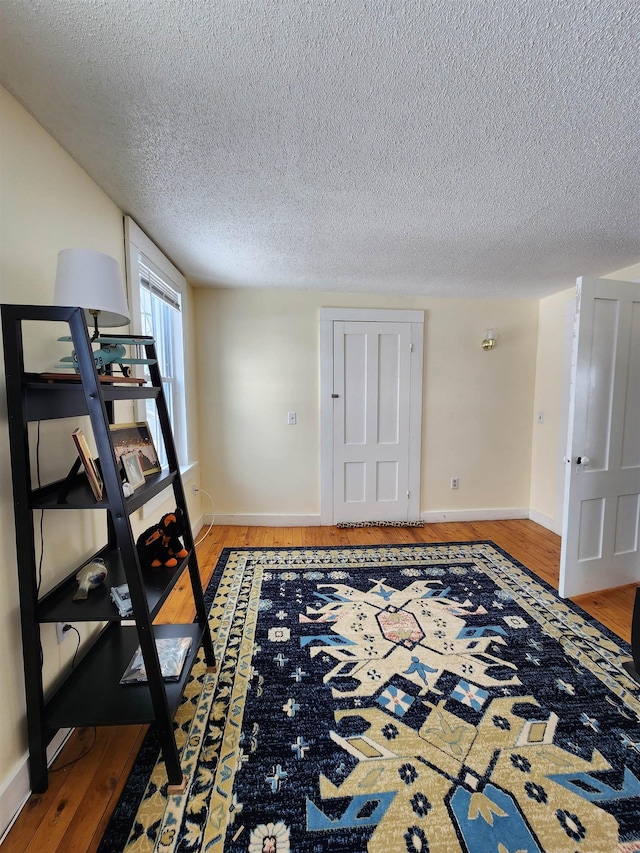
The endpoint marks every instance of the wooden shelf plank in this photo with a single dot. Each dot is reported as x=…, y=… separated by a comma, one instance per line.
x=58, y=605
x=51, y=400
x=92, y=695
x=80, y=495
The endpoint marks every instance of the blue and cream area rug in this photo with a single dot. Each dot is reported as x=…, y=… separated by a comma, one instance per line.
x=397, y=699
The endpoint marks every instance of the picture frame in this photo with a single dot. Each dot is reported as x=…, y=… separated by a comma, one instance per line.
x=133, y=469
x=88, y=462
x=135, y=437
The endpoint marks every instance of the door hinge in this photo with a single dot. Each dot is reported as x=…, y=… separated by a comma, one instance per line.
x=410, y=347
x=408, y=494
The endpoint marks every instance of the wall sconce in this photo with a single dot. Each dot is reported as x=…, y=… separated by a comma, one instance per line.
x=489, y=339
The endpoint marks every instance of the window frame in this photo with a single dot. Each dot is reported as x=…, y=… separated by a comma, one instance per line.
x=138, y=243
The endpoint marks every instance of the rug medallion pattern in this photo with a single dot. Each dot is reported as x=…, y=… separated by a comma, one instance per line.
x=411, y=698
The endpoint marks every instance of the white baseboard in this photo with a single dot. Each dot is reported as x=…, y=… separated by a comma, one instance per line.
x=17, y=790
x=197, y=524
x=253, y=520
x=544, y=520
x=265, y=520
x=498, y=514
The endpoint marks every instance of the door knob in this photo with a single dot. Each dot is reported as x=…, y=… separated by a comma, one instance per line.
x=582, y=460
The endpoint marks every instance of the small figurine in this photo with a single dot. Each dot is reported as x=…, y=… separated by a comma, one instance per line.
x=159, y=545
x=89, y=577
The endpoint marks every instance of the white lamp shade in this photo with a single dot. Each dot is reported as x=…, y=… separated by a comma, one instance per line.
x=91, y=280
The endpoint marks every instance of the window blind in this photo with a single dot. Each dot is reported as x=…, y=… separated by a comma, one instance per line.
x=157, y=286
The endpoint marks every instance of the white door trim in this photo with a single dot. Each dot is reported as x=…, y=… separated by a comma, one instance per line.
x=563, y=431
x=370, y=315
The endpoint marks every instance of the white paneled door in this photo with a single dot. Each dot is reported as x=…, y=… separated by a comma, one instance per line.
x=372, y=364
x=602, y=486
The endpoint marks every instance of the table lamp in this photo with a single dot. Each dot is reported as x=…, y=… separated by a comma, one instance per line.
x=92, y=280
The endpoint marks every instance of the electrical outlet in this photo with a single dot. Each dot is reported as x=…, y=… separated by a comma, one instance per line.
x=455, y=482
x=60, y=632
x=291, y=418
x=195, y=489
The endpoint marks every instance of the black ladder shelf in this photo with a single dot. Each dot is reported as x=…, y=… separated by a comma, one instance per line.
x=633, y=667
x=91, y=694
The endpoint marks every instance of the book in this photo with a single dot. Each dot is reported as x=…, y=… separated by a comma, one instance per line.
x=91, y=470
x=122, y=599
x=172, y=653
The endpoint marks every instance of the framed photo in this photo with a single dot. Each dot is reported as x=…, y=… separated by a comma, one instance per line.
x=135, y=438
x=133, y=469
x=91, y=470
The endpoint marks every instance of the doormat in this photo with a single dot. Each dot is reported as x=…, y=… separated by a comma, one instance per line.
x=350, y=524
x=421, y=698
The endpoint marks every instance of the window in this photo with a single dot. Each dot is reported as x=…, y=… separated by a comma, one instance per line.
x=160, y=308
x=157, y=291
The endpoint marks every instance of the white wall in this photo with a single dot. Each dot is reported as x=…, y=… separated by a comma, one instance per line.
x=631, y=273
x=258, y=352
x=551, y=400
x=47, y=203
x=477, y=416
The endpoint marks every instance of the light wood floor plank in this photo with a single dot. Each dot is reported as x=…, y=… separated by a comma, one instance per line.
x=73, y=813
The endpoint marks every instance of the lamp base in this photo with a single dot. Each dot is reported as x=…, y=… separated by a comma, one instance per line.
x=94, y=314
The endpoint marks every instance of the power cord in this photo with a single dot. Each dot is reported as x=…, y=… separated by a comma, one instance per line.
x=38, y=455
x=88, y=749
x=212, y=517
x=66, y=628
x=39, y=580
x=78, y=757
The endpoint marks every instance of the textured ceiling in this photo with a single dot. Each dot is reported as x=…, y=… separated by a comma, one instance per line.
x=441, y=147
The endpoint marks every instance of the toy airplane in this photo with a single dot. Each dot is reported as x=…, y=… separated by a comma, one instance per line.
x=110, y=351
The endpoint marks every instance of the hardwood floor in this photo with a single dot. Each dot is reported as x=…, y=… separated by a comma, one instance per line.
x=70, y=817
